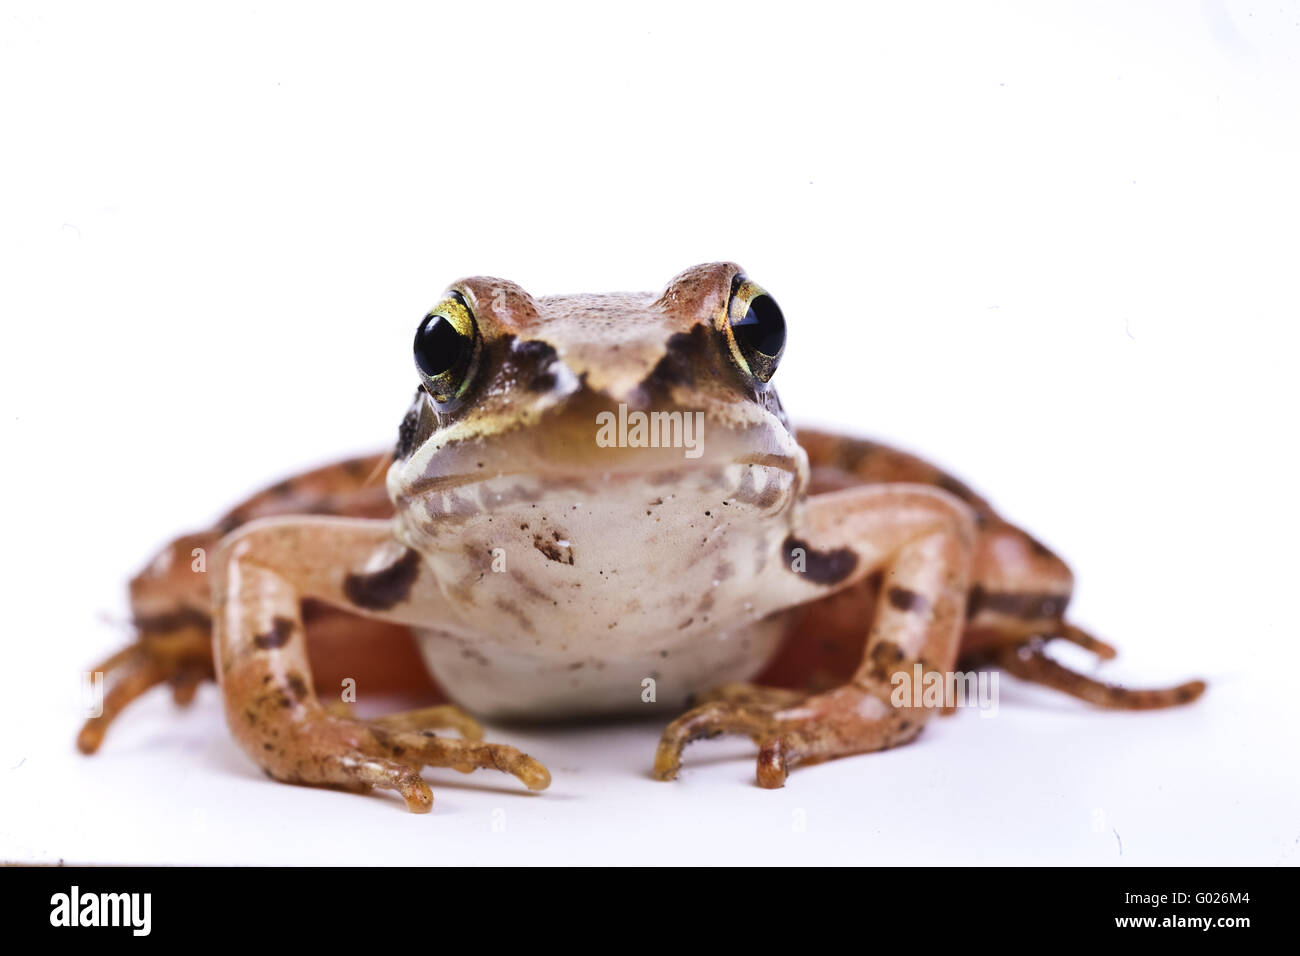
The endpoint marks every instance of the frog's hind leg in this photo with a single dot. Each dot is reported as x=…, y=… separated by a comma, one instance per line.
x=171, y=599
x=1017, y=605
x=1019, y=589
x=1028, y=662
x=135, y=673
x=173, y=629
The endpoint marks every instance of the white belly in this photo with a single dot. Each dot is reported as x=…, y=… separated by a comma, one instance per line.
x=595, y=596
x=499, y=683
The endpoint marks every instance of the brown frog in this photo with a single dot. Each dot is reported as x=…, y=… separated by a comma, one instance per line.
x=597, y=502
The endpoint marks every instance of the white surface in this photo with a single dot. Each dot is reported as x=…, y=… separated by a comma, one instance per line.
x=1054, y=249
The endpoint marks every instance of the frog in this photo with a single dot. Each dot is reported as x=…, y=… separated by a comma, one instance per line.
x=597, y=503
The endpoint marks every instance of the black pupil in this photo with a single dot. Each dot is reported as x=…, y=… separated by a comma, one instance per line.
x=763, y=327
x=438, y=346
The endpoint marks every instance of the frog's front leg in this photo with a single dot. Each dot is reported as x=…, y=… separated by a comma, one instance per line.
x=922, y=540
x=264, y=572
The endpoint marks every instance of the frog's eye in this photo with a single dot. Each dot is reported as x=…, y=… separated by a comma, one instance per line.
x=755, y=329
x=446, y=345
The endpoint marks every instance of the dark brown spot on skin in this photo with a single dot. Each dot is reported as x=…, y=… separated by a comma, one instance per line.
x=1025, y=606
x=297, y=686
x=511, y=608
x=278, y=636
x=885, y=657
x=381, y=590
x=553, y=549
x=823, y=567
x=415, y=427
x=907, y=600
x=535, y=360
x=678, y=365
x=406, y=435
x=472, y=655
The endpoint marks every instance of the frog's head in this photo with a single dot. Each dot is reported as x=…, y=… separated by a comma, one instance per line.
x=594, y=394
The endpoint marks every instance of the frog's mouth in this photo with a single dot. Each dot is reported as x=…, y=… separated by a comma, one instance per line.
x=559, y=459
x=785, y=470
x=589, y=437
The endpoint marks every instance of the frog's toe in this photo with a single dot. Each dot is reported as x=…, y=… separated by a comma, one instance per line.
x=131, y=682
x=711, y=719
x=443, y=716
x=181, y=658
x=423, y=748
x=1028, y=661
x=804, y=729
x=360, y=772
x=359, y=755
x=736, y=708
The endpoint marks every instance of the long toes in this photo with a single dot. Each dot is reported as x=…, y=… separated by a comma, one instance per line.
x=707, y=720
x=443, y=716
x=117, y=659
x=1028, y=662
x=358, y=768
x=126, y=689
x=427, y=749
x=1077, y=635
x=183, y=659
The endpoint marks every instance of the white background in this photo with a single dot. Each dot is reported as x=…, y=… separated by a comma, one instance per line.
x=1053, y=247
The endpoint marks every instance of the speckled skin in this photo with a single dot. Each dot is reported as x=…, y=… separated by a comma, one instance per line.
x=548, y=575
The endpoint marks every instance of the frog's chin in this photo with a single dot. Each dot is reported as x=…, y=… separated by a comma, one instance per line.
x=702, y=492
x=648, y=467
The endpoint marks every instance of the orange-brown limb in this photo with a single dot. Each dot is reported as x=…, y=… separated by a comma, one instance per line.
x=1028, y=662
